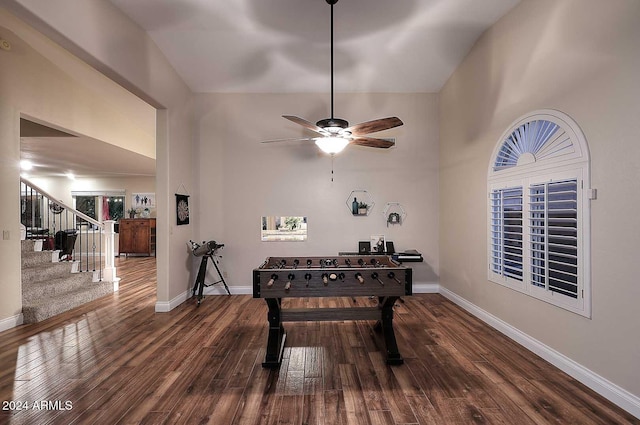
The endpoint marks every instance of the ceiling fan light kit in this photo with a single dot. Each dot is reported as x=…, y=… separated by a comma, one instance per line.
x=335, y=133
x=331, y=145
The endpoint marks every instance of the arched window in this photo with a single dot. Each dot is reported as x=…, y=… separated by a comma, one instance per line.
x=539, y=199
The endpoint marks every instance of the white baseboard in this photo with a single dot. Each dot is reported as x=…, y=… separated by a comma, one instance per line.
x=11, y=322
x=166, y=306
x=426, y=288
x=617, y=395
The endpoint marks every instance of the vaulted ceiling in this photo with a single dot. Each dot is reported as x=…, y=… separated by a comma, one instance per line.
x=283, y=46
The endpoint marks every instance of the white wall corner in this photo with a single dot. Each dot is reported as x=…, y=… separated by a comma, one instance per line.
x=617, y=395
x=11, y=322
x=166, y=306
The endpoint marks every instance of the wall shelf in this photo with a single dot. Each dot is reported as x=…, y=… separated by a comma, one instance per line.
x=394, y=213
x=364, y=201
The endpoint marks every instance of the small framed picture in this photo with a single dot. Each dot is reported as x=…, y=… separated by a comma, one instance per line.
x=143, y=200
x=182, y=209
x=377, y=244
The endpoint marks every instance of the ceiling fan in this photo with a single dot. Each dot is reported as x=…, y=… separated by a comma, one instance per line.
x=335, y=133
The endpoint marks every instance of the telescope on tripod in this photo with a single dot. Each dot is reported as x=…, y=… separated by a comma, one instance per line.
x=206, y=250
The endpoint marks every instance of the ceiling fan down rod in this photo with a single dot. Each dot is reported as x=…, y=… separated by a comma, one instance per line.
x=332, y=2
x=332, y=125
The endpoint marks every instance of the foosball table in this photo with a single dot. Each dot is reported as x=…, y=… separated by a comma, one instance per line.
x=344, y=276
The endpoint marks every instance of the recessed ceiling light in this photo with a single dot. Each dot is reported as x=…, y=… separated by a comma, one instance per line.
x=25, y=165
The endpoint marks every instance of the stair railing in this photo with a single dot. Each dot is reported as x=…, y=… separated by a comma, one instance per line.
x=58, y=226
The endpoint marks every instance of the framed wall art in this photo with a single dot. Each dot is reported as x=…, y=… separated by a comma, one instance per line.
x=143, y=200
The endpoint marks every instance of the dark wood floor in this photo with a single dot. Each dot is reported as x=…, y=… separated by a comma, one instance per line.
x=116, y=361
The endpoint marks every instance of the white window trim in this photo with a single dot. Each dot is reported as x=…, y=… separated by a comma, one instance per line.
x=574, y=165
x=100, y=194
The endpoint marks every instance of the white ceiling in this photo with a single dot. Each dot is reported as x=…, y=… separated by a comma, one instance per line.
x=283, y=46
x=83, y=157
x=269, y=46
x=54, y=153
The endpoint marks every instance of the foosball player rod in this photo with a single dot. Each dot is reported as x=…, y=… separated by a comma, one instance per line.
x=392, y=275
x=290, y=278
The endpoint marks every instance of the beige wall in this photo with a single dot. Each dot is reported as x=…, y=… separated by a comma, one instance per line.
x=580, y=57
x=102, y=36
x=241, y=179
x=36, y=87
x=61, y=187
x=103, y=110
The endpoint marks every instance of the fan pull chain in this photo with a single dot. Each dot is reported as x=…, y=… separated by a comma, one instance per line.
x=332, y=155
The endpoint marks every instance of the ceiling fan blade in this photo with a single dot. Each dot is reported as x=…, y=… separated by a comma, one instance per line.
x=374, y=126
x=306, y=124
x=372, y=142
x=292, y=139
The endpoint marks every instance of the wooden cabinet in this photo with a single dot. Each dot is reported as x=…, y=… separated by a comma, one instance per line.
x=137, y=236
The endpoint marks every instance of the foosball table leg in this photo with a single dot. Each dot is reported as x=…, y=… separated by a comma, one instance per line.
x=276, y=337
x=386, y=325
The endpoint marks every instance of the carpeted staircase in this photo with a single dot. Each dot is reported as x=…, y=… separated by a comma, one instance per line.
x=50, y=288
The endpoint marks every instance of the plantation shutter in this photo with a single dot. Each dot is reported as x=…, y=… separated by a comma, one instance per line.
x=506, y=232
x=553, y=228
x=538, y=232
x=541, y=139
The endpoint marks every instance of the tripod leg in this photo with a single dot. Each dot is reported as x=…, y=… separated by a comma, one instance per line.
x=199, y=286
x=221, y=277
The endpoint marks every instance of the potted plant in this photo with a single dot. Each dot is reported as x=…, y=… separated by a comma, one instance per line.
x=363, y=207
x=132, y=212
